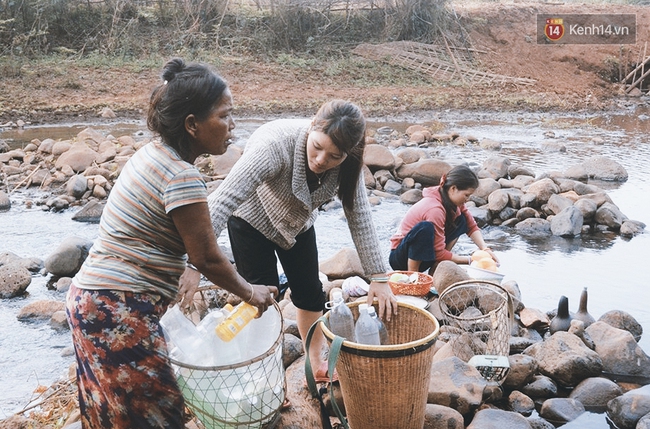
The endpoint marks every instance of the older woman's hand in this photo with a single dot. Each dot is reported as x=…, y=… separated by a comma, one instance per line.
x=385, y=297
x=188, y=284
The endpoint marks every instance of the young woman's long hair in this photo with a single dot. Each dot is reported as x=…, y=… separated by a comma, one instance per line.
x=186, y=89
x=345, y=124
x=463, y=178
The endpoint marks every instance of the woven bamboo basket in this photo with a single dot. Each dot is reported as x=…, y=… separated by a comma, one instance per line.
x=419, y=288
x=386, y=386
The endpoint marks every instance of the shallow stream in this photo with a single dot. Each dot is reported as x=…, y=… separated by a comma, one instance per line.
x=615, y=270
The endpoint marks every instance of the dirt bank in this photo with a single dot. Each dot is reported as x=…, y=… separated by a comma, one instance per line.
x=567, y=77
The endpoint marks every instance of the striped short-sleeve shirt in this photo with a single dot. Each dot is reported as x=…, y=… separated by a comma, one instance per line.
x=139, y=248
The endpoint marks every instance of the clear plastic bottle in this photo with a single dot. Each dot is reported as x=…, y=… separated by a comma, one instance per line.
x=236, y=320
x=366, y=330
x=383, y=332
x=341, y=318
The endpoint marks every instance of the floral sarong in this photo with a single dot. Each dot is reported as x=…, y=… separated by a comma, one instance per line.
x=124, y=376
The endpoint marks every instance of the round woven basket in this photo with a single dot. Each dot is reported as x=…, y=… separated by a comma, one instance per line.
x=420, y=288
x=386, y=386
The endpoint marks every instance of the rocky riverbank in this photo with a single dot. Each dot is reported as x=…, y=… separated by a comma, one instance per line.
x=545, y=369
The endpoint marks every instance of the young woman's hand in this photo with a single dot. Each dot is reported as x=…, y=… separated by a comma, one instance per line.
x=385, y=297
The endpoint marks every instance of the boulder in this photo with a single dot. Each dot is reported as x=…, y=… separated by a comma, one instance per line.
x=79, y=157
x=490, y=418
x=40, y=310
x=5, y=201
x=455, y=384
x=14, y=279
x=345, y=263
x=595, y=392
x=610, y=215
x=626, y=410
x=564, y=358
x=561, y=410
x=438, y=416
x=90, y=213
x=623, y=320
x=425, y=171
x=619, y=352
x=378, y=157
x=604, y=168
x=68, y=256
x=534, y=227
x=446, y=274
x=567, y=223
x=522, y=370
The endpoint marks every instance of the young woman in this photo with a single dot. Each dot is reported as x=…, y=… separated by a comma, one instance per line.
x=157, y=213
x=270, y=201
x=430, y=228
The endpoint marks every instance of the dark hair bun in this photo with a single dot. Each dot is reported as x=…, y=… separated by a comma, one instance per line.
x=172, y=67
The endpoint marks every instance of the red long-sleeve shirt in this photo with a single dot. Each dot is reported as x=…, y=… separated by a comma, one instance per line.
x=430, y=209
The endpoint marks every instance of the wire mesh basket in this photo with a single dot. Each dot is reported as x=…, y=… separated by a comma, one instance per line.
x=244, y=395
x=478, y=314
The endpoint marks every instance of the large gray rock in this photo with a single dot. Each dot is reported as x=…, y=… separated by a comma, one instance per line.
x=540, y=386
x=522, y=370
x=618, y=350
x=498, y=419
x=79, y=157
x=76, y=186
x=446, y=274
x=542, y=190
x=345, y=263
x=534, y=227
x=623, y=320
x=626, y=410
x=378, y=157
x=68, y=257
x=603, y=168
x=40, y=310
x=425, y=171
x=455, y=384
x=439, y=416
x=5, y=202
x=564, y=358
x=14, y=279
x=610, y=215
x=90, y=213
x=595, y=392
x=561, y=410
x=495, y=167
x=567, y=223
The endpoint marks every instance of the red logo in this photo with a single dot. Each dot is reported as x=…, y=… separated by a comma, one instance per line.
x=554, y=29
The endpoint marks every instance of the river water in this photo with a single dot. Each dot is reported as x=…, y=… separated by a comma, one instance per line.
x=615, y=270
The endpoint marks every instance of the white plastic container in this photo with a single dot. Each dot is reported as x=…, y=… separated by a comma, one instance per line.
x=341, y=319
x=366, y=330
x=383, y=332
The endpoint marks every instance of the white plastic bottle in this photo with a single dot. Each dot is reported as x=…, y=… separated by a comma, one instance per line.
x=341, y=318
x=366, y=330
x=383, y=332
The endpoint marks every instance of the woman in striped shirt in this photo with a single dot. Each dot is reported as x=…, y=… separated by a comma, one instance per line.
x=155, y=217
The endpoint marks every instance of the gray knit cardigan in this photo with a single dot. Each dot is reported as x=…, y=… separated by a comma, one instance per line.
x=267, y=187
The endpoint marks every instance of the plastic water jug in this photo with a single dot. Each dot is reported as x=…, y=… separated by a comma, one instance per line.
x=383, y=332
x=341, y=319
x=366, y=330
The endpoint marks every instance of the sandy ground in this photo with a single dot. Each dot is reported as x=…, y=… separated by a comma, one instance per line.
x=567, y=77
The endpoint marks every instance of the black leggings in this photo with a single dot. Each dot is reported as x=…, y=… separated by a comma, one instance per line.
x=256, y=261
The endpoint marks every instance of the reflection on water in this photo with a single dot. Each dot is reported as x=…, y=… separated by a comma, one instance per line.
x=614, y=269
